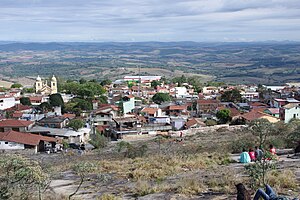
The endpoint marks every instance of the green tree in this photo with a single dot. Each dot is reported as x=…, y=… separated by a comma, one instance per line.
x=45, y=106
x=28, y=90
x=21, y=176
x=56, y=100
x=25, y=101
x=98, y=140
x=105, y=82
x=76, y=124
x=82, y=81
x=16, y=85
x=83, y=104
x=231, y=96
x=223, y=116
x=262, y=129
x=82, y=169
x=161, y=97
x=102, y=99
x=155, y=83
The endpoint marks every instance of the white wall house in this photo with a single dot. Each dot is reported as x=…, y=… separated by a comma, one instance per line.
x=180, y=92
x=7, y=102
x=290, y=111
x=11, y=145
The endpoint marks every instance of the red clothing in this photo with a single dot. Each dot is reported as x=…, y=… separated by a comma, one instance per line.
x=273, y=151
x=252, y=155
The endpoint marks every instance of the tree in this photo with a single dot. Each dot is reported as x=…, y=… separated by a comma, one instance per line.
x=25, y=101
x=21, y=176
x=102, y=99
x=82, y=81
x=98, y=140
x=231, y=96
x=28, y=90
x=82, y=169
x=56, y=100
x=76, y=124
x=105, y=82
x=223, y=116
x=83, y=104
x=161, y=97
x=45, y=106
x=16, y=85
x=155, y=83
x=261, y=128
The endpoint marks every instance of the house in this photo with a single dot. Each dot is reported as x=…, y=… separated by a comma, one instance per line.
x=272, y=111
x=180, y=92
x=151, y=112
x=257, y=114
x=178, y=123
x=194, y=123
x=210, y=90
x=278, y=103
x=124, y=126
x=15, y=125
x=127, y=104
x=54, y=122
x=37, y=100
x=177, y=110
x=250, y=96
x=290, y=111
x=80, y=136
x=7, y=102
x=207, y=106
x=13, y=140
x=101, y=118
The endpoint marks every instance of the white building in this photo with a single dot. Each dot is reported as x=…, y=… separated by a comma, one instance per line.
x=290, y=111
x=7, y=102
x=250, y=96
x=181, y=92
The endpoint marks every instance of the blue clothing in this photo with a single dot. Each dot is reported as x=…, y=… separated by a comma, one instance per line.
x=245, y=158
x=268, y=195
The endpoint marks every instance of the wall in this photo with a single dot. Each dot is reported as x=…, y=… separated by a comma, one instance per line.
x=10, y=145
x=7, y=102
x=128, y=106
x=194, y=131
x=289, y=114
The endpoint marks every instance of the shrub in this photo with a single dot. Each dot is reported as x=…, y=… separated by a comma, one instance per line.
x=99, y=141
x=237, y=145
x=190, y=186
x=281, y=179
x=211, y=122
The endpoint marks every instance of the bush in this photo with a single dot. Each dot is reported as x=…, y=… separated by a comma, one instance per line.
x=238, y=145
x=211, y=122
x=98, y=141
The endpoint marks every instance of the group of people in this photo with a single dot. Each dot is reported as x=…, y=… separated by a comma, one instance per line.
x=254, y=155
x=268, y=194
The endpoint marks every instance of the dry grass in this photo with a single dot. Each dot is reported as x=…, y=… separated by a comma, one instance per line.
x=282, y=180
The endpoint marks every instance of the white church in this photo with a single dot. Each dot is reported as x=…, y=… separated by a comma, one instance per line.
x=42, y=87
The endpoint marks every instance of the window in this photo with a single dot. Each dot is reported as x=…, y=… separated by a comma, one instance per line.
x=6, y=142
x=294, y=115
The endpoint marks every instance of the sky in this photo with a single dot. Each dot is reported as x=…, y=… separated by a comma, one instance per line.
x=149, y=20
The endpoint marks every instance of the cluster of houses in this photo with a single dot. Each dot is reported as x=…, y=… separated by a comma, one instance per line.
x=131, y=111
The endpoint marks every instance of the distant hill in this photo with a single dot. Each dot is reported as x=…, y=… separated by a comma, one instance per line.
x=260, y=62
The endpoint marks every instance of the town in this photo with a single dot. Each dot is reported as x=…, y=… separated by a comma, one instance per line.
x=81, y=116
x=133, y=106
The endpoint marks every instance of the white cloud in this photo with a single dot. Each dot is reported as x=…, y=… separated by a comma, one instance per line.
x=164, y=20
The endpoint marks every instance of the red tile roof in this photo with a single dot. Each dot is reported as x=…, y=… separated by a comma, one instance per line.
x=15, y=123
x=208, y=101
x=24, y=138
x=150, y=111
x=193, y=122
x=17, y=114
x=177, y=107
x=69, y=115
x=36, y=98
